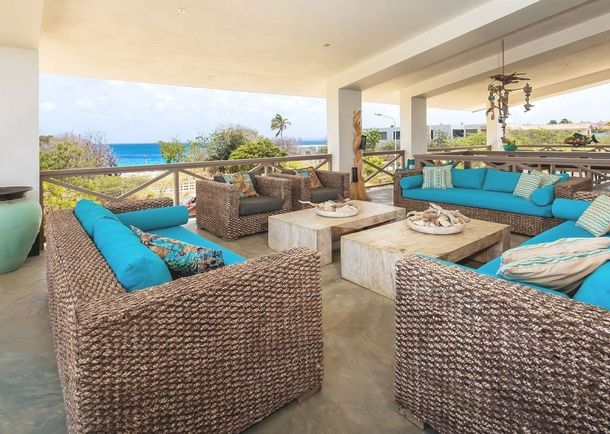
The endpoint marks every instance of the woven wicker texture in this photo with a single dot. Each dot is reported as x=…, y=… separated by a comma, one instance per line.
x=301, y=188
x=215, y=352
x=218, y=207
x=519, y=223
x=475, y=354
x=137, y=205
x=589, y=195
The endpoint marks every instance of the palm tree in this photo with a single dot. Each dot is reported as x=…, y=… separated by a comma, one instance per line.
x=279, y=123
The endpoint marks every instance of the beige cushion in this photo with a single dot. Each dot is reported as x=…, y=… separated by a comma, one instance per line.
x=560, y=247
x=559, y=272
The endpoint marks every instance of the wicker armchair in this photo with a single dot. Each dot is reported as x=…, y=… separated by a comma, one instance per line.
x=214, y=352
x=301, y=188
x=520, y=223
x=476, y=354
x=218, y=207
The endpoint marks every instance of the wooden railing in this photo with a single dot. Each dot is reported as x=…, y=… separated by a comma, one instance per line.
x=64, y=178
x=392, y=159
x=595, y=165
x=540, y=148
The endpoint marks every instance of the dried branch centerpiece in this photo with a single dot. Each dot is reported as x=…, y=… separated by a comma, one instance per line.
x=437, y=221
x=336, y=209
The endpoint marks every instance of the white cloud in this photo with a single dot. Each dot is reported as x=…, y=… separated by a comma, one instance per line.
x=46, y=106
x=84, y=102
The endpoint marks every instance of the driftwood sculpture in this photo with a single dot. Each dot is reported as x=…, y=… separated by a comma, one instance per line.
x=357, y=188
x=437, y=216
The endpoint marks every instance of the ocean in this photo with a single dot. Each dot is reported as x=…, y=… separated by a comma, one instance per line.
x=136, y=154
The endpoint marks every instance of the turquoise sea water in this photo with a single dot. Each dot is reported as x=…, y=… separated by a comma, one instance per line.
x=135, y=154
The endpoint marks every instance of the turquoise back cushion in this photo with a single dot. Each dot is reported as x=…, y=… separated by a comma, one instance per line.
x=569, y=209
x=468, y=178
x=407, y=182
x=544, y=195
x=134, y=264
x=596, y=288
x=88, y=213
x=500, y=180
x=151, y=219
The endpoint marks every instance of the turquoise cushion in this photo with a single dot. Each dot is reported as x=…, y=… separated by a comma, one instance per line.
x=88, y=213
x=569, y=209
x=182, y=234
x=407, y=182
x=479, y=199
x=150, y=219
x=500, y=180
x=134, y=264
x=596, y=288
x=468, y=178
x=544, y=195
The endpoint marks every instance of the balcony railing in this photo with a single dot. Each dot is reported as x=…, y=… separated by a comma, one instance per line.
x=541, y=148
x=379, y=166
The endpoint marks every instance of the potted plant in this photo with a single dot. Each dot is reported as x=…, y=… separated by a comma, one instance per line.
x=509, y=144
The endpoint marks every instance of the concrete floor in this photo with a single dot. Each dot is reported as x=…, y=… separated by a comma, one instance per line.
x=357, y=392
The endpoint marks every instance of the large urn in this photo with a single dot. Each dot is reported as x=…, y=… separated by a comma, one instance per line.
x=19, y=224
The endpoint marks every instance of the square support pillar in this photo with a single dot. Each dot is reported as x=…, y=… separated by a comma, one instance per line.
x=494, y=133
x=414, y=134
x=340, y=107
x=19, y=113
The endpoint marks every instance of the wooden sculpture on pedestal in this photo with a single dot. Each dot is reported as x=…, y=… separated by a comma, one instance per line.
x=357, y=189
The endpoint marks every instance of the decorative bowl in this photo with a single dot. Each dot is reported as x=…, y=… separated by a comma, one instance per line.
x=435, y=230
x=346, y=211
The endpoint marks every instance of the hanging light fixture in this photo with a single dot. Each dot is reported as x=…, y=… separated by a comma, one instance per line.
x=499, y=92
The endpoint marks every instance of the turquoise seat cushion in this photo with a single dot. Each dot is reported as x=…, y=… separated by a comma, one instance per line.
x=322, y=194
x=500, y=180
x=151, y=219
x=259, y=204
x=415, y=181
x=544, y=195
x=596, y=288
x=134, y=264
x=479, y=199
x=88, y=213
x=468, y=178
x=183, y=234
x=569, y=209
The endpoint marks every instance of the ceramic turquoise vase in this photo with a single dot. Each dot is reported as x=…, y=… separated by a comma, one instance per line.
x=19, y=225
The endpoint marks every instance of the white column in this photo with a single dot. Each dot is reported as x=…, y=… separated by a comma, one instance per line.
x=414, y=135
x=19, y=118
x=340, y=107
x=494, y=133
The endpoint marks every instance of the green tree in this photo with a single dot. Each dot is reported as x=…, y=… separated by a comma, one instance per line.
x=219, y=144
x=441, y=139
x=472, y=140
x=552, y=122
x=373, y=136
x=261, y=148
x=279, y=124
x=172, y=152
x=565, y=121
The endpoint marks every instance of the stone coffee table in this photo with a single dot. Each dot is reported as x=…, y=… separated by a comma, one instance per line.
x=368, y=258
x=307, y=229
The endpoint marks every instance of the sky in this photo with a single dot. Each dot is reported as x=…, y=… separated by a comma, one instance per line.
x=128, y=112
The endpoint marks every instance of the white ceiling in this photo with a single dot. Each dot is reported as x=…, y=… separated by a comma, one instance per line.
x=265, y=45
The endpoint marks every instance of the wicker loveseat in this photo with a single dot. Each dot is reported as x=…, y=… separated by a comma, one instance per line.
x=214, y=352
x=530, y=221
x=479, y=354
x=334, y=184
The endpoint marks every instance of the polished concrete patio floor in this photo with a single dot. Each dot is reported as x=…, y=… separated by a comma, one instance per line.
x=358, y=357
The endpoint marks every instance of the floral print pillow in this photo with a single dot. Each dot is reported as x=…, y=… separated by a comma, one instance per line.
x=181, y=258
x=243, y=182
x=310, y=172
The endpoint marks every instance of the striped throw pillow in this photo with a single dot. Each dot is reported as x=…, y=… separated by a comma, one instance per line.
x=559, y=272
x=528, y=182
x=437, y=177
x=547, y=178
x=596, y=218
x=561, y=246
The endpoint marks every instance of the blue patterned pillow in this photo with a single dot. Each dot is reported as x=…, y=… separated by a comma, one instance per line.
x=181, y=258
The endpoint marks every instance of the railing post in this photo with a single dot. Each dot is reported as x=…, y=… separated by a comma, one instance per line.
x=403, y=161
x=266, y=169
x=176, y=187
x=329, y=160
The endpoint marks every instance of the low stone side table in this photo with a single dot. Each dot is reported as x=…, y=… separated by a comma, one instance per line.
x=307, y=229
x=368, y=258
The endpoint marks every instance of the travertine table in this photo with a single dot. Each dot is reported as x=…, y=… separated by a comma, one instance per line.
x=307, y=229
x=368, y=258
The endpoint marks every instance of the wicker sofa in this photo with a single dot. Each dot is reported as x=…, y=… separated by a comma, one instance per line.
x=479, y=354
x=219, y=208
x=333, y=185
x=522, y=223
x=214, y=352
